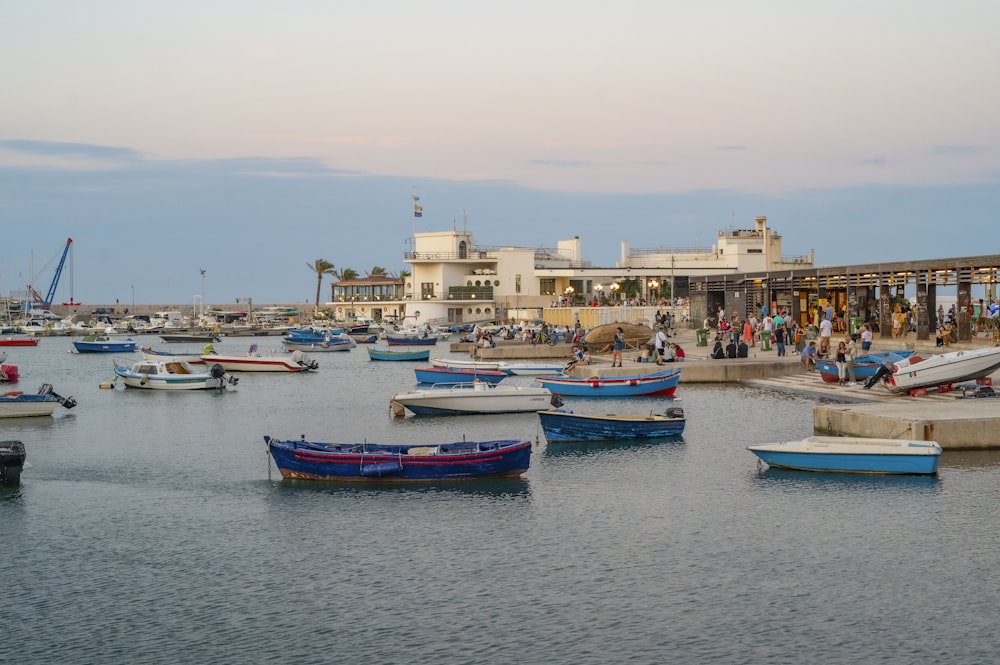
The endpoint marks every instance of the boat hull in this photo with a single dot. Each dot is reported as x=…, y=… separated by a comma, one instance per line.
x=26, y=406
x=920, y=372
x=869, y=456
x=319, y=347
x=256, y=363
x=456, y=375
x=865, y=366
x=659, y=383
x=394, y=340
x=153, y=354
x=564, y=425
x=13, y=341
x=12, y=457
x=474, y=399
x=383, y=354
x=362, y=461
x=134, y=379
x=104, y=347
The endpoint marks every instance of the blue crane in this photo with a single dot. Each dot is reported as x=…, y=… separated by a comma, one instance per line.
x=47, y=302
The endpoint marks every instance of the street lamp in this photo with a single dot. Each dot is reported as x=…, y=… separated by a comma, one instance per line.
x=653, y=289
x=133, y=299
x=203, y=293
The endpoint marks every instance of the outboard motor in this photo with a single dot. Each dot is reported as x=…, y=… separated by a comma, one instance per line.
x=555, y=401
x=300, y=358
x=883, y=371
x=219, y=372
x=46, y=389
x=675, y=412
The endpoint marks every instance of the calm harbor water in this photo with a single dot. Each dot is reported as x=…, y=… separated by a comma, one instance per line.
x=151, y=528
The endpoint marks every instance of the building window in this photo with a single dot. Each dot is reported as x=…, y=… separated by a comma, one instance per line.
x=754, y=251
x=547, y=286
x=427, y=290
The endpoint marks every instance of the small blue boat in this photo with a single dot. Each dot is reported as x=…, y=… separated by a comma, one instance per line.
x=407, y=340
x=564, y=425
x=101, y=343
x=458, y=375
x=852, y=455
x=657, y=383
x=382, y=461
x=865, y=365
x=385, y=354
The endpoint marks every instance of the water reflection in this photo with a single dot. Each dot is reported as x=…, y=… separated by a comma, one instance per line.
x=487, y=487
x=589, y=448
x=768, y=477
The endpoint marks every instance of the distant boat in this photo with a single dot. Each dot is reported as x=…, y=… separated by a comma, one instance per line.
x=337, y=342
x=101, y=343
x=468, y=398
x=852, y=455
x=16, y=404
x=565, y=425
x=463, y=363
x=19, y=341
x=173, y=375
x=405, y=340
x=12, y=457
x=386, y=354
x=657, y=383
x=457, y=375
x=150, y=353
x=383, y=461
x=201, y=337
x=927, y=371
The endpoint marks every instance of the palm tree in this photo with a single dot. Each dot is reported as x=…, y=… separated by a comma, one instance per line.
x=321, y=267
x=347, y=274
x=377, y=270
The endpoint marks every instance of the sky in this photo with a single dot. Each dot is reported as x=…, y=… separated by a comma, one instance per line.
x=251, y=138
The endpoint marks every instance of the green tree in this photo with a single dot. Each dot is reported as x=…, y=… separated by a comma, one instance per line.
x=347, y=274
x=321, y=267
x=377, y=270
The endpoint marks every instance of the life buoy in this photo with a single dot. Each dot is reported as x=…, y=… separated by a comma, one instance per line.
x=633, y=382
x=362, y=310
x=340, y=310
x=594, y=383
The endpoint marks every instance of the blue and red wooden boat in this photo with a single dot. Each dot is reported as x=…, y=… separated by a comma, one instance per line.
x=657, y=383
x=458, y=375
x=385, y=461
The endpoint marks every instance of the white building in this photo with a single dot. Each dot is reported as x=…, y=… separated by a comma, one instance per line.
x=454, y=280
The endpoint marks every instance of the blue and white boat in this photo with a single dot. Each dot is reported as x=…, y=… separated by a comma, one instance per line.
x=173, y=375
x=852, y=455
x=408, y=340
x=15, y=404
x=657, y=383
x=865, y=366
x=101, y=343
x=318, y=344
x=408, y=354
x=383, y=461
x=565, y=425
x=458, y=375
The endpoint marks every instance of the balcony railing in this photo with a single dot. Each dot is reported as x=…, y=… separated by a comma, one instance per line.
x=470, y=293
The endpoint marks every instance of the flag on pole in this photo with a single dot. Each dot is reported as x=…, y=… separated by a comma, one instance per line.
x=418, y=210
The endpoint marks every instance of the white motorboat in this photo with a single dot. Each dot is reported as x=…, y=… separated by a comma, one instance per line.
x=476, y=397
x=463, y=363
x=919, y=371
x=173, y=375
x=852, y=455
x=15, y=404
x=254, y=362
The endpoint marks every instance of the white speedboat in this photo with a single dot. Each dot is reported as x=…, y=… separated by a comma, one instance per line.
x=476, y=397
x=919, y=371
x=463, y=363
x=852, y=455
x=173, y=375
x=255, y=362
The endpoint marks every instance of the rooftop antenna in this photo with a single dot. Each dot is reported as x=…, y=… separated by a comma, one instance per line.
x=465, y=221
